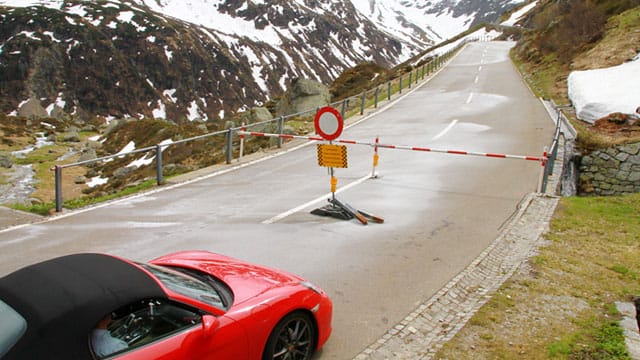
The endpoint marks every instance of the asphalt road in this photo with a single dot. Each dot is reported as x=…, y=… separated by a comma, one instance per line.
x=440, y=210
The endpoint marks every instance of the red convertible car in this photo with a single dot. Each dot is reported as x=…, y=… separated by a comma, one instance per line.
x=188, y=305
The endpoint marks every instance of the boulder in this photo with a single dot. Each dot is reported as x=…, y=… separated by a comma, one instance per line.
x=257, y=115
x=303, y=95
x=122, y=172
x=32, y=109
x=58, y=113
x=71, y=137
x=5, y=161
x=93, y=144
x=88, y=154
x=254, y=115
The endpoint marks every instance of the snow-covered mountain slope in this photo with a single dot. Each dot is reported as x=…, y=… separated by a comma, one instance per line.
x=431, y=21
x=203, y=58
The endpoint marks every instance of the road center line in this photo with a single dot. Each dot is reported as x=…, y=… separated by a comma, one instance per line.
x=446, y=130
x=469, y=99
x=316, y=200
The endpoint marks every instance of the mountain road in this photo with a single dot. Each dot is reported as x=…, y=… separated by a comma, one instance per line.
x=441, y=210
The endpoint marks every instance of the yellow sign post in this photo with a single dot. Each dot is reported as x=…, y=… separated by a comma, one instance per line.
x=328, y=124
x=334, y=156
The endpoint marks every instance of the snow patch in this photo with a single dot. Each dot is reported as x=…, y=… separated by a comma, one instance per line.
x=97, y=181
x=600, y=92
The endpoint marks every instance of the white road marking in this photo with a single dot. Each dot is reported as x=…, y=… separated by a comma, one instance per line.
x=220, y=172
x=446, y=130
x=316, y=200
x=469, y=99
x=475, y=81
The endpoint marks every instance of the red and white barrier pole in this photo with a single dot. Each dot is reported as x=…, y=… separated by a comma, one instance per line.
x=402, y=147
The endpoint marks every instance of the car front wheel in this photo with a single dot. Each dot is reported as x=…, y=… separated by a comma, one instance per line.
x=293, y=338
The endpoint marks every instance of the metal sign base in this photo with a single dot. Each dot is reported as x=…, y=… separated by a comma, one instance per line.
x=339, y=210
x=332, y=211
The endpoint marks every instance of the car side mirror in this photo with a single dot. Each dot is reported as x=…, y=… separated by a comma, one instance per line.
x=210, y=324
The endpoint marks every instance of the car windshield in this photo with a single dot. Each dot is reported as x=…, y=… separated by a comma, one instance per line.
x=12, y=326
x=203, y=289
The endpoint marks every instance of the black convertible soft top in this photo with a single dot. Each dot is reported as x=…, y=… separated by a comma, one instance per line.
x=64, y=298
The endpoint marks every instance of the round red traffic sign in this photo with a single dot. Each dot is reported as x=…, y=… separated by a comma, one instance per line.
x=328, y=123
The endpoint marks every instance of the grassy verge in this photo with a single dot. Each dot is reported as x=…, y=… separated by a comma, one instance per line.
x=561, y=305
x=77, y=203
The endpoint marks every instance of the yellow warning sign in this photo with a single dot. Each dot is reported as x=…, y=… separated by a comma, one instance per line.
x=332, y=155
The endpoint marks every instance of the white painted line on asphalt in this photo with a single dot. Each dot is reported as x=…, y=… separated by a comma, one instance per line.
x=316, y=200
x=446, y=130
x=475, y=81
x=479, y=68
x=224, y=171
x=469, y=99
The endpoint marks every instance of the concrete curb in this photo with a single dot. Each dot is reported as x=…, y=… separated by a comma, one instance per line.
x=423, y=332
x=629, y=326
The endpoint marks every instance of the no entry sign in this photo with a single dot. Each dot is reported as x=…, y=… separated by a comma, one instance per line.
x=328, y=123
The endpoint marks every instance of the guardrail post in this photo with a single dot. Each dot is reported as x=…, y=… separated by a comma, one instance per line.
x=554, y=150
x=422, y=71
x=410, y=78
x=159, y=178
x=344, y=108
x=364, y=96
x=58, y=177
x=400, y=84
x=229, y=145
x=389, y=90
x=243, y=128
x=280, y=130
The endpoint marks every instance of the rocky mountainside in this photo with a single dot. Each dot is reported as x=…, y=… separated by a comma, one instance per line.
x=429, y=22
x=202, y=59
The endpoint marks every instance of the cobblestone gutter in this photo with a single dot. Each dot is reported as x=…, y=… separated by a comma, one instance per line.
x=423, y=332
x=436, y=321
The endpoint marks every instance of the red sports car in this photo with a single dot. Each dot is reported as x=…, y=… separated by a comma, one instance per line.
x=188, y=305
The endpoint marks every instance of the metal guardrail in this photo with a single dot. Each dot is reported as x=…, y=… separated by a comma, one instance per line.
x=564, y=128
x=357, y=103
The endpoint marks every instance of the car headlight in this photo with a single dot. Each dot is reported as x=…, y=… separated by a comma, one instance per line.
x=311, y=287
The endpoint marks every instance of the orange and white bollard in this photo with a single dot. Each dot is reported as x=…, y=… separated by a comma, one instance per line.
x=542, y=171
x=375, y=159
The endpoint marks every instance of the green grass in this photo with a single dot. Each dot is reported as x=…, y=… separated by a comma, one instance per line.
x=48, y=208
x=40, y=209
x=82, y=202
x=590, y=262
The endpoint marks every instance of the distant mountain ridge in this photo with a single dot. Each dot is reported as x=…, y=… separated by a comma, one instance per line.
x=202, y=59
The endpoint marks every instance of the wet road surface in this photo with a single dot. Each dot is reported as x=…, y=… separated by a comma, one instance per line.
x=440, y=210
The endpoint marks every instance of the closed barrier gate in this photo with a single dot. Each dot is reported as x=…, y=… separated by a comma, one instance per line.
x=343, y=210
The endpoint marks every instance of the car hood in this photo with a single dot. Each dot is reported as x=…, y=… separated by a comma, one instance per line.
x=246, y=280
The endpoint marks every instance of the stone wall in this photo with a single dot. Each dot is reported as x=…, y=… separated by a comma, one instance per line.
x=614, y=171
